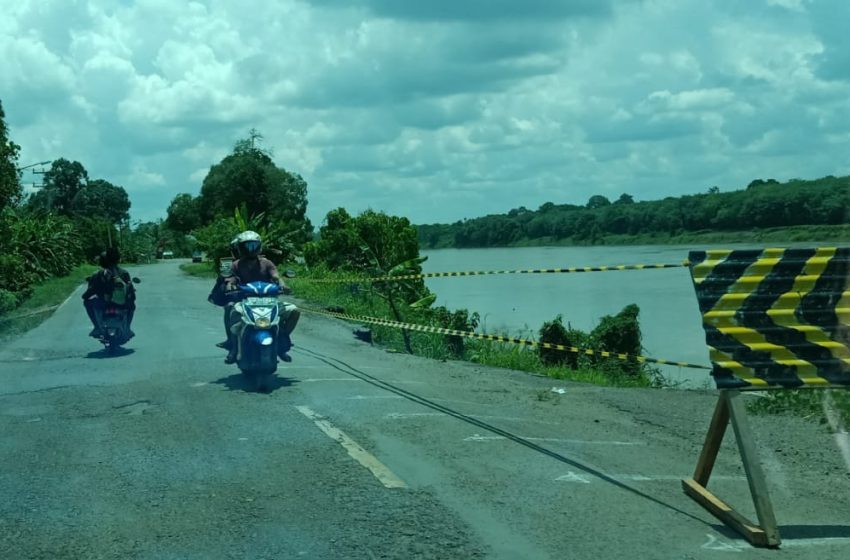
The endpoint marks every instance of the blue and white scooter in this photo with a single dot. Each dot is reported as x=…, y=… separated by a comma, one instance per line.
x=259, y=310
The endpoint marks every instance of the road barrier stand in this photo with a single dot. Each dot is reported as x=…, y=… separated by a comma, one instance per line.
x=774, y=319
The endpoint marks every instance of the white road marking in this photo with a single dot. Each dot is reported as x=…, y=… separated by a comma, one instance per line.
x=317, y=379
x=572, y=476
x=370, y=397
x=714, y=543
x=406, y=415
x=477, y=437
x=381, y=472
x=815, y=542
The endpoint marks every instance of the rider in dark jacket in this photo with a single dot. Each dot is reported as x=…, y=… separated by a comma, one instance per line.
x=100, y=286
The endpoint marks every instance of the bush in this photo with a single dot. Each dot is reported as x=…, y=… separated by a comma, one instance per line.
x=620, y=333
x=460, y=320
x=554, y=332
x=8, y=301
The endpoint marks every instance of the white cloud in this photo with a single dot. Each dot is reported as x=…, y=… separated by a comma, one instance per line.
x=436, y=110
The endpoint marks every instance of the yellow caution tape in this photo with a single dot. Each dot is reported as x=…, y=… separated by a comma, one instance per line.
x=353, y=279
x=501, y=338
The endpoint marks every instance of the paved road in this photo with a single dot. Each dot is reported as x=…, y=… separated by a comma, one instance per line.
x=358, y=453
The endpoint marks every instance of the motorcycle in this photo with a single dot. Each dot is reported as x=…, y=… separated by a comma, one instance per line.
x=259, y=309
x=116, y=325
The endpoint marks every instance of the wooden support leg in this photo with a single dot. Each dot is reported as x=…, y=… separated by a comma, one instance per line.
x=713, y=439
x=752, y=466
x=729, y=406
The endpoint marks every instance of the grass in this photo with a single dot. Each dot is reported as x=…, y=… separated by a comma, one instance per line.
x=38, y=307
x=357, y=300
x=806, y=403
x=200, y=270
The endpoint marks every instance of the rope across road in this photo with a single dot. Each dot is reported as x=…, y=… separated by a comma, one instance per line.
x=501, y=338
x=569, y=270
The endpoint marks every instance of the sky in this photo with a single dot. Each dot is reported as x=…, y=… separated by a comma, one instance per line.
x=439, y=110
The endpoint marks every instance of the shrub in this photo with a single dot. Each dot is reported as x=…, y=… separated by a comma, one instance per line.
x=620, y=333
x=554, y=332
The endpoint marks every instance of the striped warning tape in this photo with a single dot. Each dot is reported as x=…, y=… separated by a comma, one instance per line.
x=500, y=338
x=494, y=272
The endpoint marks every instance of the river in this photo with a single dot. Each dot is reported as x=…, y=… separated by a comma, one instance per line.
x=519, y=304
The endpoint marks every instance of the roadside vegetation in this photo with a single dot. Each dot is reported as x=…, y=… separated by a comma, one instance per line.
x=795, y=211
x=43, y=299
x=813, y=404
x=376, y=244
x=50, y=238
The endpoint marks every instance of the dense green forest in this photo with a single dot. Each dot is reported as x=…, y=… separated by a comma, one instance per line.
x=763, y=204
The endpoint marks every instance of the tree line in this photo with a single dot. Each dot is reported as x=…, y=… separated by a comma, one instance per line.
x=762, y=204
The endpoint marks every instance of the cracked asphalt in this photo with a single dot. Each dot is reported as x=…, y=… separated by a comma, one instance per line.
x=162, y=453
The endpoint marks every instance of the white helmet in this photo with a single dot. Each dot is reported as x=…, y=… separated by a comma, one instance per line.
x=249, y=244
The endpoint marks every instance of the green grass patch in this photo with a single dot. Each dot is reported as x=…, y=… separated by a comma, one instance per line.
x=38, y=307
x=201, y=270
x=358, y=300
x=806, y=403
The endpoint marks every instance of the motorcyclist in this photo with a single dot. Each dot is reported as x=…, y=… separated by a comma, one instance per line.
x=251, y=267
x=101, y=286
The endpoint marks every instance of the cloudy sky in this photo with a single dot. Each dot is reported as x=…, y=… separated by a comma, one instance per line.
x=439, y=109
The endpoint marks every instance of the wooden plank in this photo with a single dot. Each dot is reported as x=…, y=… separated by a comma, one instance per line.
x=752, y=466
x=754, y=534
x=713, y=439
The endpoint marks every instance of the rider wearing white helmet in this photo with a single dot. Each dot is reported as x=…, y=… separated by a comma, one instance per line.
x=251, y=267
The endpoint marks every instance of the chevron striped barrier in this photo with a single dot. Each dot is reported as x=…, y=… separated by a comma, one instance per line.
x=773, y=319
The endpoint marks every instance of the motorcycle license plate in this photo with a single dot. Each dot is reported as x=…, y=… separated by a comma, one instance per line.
x=261, y=301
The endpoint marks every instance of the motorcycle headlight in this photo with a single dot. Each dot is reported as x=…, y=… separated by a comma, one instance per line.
x=263, y=323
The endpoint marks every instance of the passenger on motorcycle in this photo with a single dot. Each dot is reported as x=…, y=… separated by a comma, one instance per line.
x=111, y=283
x=251, y=267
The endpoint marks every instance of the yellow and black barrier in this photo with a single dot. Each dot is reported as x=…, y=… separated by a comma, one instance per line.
x=571, y=270
x=501, y=338
x=775, y=318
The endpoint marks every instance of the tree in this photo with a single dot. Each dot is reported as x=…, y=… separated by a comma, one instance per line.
x=61, y=184
x=249, y=177
x=625, y=199
x=183, y=213
x=597, y=201
x=714, y=190
x=10, y=178
x=102, y=199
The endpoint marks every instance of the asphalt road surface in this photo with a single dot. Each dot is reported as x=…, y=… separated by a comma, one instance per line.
x=162, y=453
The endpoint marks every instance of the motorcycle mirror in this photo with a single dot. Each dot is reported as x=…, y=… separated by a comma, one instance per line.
x=289, y=273
x=136, y=281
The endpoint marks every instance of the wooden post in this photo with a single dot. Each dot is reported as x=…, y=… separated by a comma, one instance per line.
x=729, y=406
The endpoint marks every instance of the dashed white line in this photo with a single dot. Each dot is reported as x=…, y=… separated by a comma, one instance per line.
x=408, y=415
x=377, y=468
x=477, y=437
x=572, y=476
